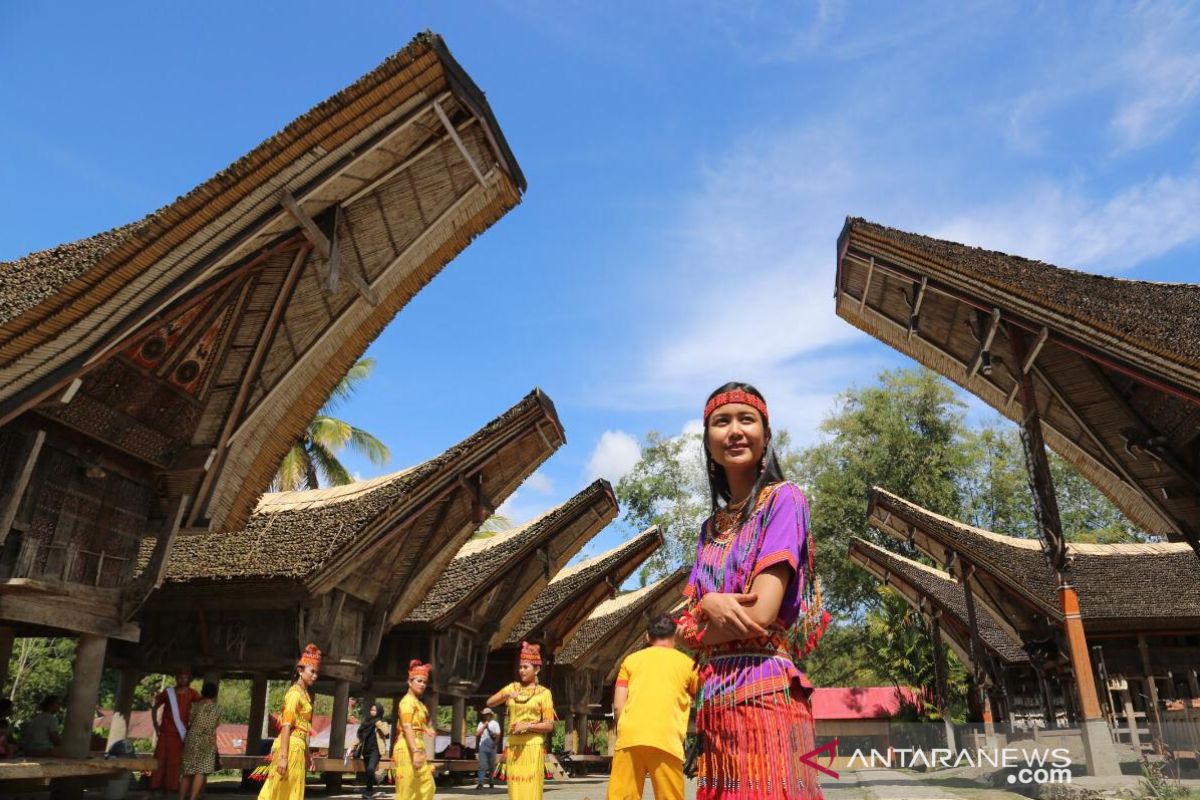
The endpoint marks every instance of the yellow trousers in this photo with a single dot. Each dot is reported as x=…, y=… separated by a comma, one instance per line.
x=631, y=765
x=291, y=787
x=411, y=783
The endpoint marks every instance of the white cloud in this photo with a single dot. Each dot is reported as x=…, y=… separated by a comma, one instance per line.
x=1062, y=225
x=539, y=482
x=615, y=455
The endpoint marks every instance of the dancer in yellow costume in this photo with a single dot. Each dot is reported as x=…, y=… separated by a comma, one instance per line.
x=530, y=719
x=414, y=779
x=290, y=759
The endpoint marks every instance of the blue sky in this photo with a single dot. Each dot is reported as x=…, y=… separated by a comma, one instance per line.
x=689, y=165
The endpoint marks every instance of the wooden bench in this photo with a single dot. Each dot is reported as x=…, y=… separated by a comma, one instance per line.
x=48, y=768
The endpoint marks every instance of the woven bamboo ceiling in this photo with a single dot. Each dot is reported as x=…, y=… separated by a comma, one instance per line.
x=1115, y=363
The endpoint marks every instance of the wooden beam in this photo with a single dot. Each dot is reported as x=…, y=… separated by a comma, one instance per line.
x=1041, y=483
x=405, y=164
x=1103, y=446
x=12, y=502
x=448, y=212
x=916, y=308
x=266, y=338
x=462, y=148
x=136, y=594
x=986, y=344
x=862, y=301
x=325, y=248
x=1027, y=364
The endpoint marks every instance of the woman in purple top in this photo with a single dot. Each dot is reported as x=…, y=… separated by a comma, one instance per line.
x=754, y=612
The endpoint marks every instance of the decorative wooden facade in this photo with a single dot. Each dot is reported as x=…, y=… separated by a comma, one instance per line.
x=588, y=662
x=1143, y=638
x=476, y=602
x=1113, y=365
x=563, y=606
x=340, y=566
x=152, y=377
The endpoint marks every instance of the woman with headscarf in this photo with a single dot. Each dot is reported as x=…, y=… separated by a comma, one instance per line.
x=373, y=733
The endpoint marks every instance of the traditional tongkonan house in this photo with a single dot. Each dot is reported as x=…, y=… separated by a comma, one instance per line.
x=338, y=567
x=481, y=596
x=1102, y=370
x=1147, y=643
x=943, y=603
x=558, y=611
x=152, y=377
x=586, y=667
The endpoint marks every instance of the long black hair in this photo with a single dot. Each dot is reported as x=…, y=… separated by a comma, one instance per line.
x=718, y=481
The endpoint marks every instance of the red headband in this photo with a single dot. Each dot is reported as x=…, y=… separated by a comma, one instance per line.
x=735, y=396
x=311, y=657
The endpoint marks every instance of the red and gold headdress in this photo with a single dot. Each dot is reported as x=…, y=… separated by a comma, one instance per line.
x=735, y=396
x=311, y=657
x=531, y=653
x=415, y=668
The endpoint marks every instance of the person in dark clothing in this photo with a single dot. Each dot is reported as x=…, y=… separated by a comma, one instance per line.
x=373, y=735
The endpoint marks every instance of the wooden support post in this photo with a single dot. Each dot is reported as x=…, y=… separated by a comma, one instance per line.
x=8, y=636
x=1135, y=738
x=82, y=695
x=914, y=318
x=581, y=732
x=10, y=501
x=862, y=301
x=431, y=703
x=256, y=728
x=1153, y=714
x=337, y=731
x=123, y=707
x=939, y=673
x=458, y=720
x=325, y=248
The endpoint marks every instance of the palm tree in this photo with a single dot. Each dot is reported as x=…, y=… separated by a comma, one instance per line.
x=315, y=452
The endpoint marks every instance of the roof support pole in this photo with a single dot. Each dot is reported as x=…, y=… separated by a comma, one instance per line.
x=10, y=500
x=1152, y=707
x=939, y=674
x=1097, y=740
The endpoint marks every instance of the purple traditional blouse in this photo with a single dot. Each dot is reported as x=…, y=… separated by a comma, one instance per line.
x=776, y=533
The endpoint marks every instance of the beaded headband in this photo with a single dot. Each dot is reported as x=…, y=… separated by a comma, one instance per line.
x=735, y=396
x=415, y=668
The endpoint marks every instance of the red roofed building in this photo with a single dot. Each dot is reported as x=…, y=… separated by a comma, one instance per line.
x=859, y=717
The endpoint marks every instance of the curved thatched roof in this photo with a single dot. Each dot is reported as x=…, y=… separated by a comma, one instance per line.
x=915, y=580
x=396, y=174
x=620, y=622
x=576, y=591
x=1120, y=586
x=518, y=561
x=1114, y=364
x=320, y=536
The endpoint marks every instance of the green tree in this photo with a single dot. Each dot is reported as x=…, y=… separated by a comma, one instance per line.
x=313, y=458
x=905, y=434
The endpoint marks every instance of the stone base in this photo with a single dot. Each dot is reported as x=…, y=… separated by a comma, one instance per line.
x=1098, y=749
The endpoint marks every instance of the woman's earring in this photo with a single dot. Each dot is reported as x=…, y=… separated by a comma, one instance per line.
x=712, y=469
x=762, y=464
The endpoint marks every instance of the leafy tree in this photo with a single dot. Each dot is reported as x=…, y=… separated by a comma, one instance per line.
x=313, y=458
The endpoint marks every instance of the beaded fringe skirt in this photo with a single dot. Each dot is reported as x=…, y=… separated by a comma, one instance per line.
x=752, y=750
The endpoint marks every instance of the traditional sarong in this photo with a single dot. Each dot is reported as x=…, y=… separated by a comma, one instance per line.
x=291, y=785
x=525, y=766
x=752, y=750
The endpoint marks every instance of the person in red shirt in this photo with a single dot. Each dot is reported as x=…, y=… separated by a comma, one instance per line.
x=172, y=709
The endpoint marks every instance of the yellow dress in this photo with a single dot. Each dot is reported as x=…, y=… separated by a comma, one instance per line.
x=412, y=783
x=297, y=712
x=525, y=753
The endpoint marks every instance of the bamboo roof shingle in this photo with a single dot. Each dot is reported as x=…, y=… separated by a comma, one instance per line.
x=388, y=180
x=1115, y=364
x=575, y=591
x=1120, y=586
x=519, y=561
x=915, y=580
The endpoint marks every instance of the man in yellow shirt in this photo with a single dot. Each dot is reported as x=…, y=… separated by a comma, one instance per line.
x=651, y=702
